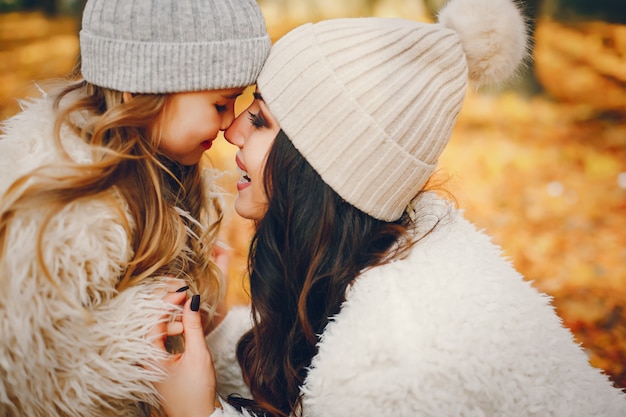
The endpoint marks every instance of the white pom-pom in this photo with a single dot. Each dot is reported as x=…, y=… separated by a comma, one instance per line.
x=493, y=35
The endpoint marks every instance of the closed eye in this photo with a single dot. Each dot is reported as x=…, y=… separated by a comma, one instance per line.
x=257, y=120
x=221, y=108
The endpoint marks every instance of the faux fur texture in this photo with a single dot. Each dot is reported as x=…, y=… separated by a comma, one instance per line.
x=493, y=35
x=76, y=347
x=451, y=331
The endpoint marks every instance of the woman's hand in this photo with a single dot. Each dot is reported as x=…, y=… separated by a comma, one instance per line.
x=189, y=388
x=173, y=294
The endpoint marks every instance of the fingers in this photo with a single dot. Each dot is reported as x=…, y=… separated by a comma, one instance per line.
x=189, y=389
x=192, y=324
x=174, y=284
x=175, y=298
x=171, y=285
x=174, y=325
x=170, y=324
x=174, y=328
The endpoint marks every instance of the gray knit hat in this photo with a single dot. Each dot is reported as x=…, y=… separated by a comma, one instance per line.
x=168, y=46
x=371, y=102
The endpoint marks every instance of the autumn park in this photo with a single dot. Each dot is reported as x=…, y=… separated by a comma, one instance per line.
x=539, y=164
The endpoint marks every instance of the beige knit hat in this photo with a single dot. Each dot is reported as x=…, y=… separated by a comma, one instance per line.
x=371, y=102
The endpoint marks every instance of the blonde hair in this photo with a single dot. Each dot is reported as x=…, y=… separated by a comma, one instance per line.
x=174, y=215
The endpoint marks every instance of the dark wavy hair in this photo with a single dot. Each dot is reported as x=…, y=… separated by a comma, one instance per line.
x=307, y=250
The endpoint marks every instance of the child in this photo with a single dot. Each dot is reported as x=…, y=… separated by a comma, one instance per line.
x=372, y=295
x=104, y=203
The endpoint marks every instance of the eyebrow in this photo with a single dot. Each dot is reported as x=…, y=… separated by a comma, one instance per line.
x=231, y=96
x=258, y=96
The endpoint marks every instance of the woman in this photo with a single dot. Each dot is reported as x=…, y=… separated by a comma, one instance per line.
x=372, y=295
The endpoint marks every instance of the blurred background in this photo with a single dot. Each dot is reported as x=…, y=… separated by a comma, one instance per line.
x=540, y=164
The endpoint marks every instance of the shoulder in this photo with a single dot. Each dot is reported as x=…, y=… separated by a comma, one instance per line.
x=32, y=126
x=451, y=325
x=27, y=141
x=24, y=140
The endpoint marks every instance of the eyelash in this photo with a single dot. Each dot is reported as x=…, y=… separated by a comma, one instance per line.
x=220, y=108
x=257, y=120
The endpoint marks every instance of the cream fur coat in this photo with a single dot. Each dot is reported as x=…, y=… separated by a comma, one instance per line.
x=74, y=347
x=451, y=331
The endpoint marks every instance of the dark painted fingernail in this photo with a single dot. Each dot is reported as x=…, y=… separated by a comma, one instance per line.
x=195, y=303
x=183, y=289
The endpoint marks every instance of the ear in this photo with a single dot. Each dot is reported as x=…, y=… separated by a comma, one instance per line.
x=126, y=97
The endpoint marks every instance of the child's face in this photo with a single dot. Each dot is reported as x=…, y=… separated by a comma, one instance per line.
x=253, y=132
x=191, y=121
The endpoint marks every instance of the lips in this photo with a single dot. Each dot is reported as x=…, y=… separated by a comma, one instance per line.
x=245, y=179
x=240, y=164
x=207, y=144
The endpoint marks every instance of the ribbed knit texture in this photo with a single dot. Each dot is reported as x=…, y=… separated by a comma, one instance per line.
x=166, y=46
x=370, y=103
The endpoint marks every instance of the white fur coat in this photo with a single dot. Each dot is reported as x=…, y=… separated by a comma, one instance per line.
x=451, y=331
x=76, y=346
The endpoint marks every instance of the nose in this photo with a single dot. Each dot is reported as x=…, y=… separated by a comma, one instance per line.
x=227, y=119
x=233, y=133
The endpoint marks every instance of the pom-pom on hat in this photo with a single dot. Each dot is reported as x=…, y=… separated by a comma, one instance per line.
x=167, y=46
x=371, y=102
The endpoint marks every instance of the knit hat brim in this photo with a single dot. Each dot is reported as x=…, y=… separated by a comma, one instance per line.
x=335, y=131
x=371, y=103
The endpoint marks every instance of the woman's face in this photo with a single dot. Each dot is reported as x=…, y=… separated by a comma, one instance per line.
x=253, y=132
x=191, y=121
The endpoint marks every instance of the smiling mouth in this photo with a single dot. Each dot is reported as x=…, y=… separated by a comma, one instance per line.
x=244, y=176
